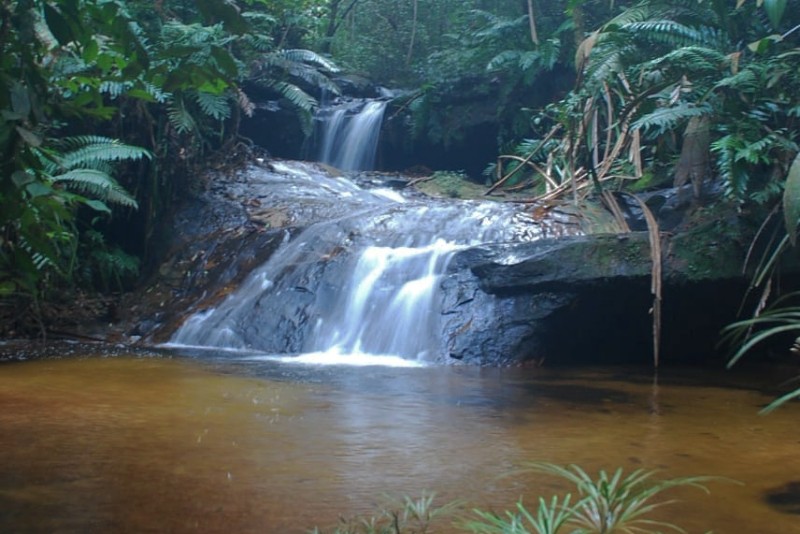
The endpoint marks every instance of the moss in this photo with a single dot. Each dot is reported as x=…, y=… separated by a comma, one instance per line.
x=451, y=184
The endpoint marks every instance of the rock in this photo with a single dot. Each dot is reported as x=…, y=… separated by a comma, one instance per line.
x=556, y=300
x=587, y=298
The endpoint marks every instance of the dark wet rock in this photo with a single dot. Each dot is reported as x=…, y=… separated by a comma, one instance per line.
x=357, y=86
x=587, y=298
x=555, y=300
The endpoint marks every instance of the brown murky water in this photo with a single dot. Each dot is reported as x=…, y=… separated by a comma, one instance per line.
x=191, y=445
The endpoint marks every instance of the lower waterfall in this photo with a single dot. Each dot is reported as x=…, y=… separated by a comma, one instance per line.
x=367, y=281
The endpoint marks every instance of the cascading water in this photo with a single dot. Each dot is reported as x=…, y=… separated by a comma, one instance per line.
x=365, y=281
x=348, y=134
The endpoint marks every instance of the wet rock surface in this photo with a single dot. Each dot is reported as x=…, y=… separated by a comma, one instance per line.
x=545, y=301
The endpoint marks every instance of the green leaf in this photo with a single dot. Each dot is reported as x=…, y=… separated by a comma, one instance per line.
x=215, y=106
x=29, y=137
x=20, y=100
x=22, y=178
x=91, y=51
x=791, y=199
x=225, y=61
x=214, y=11
x=775, y=9
x=38, y=189
x=762, y=45
x=58, y=24
x=7, y=287
x=141, y=94
x=98, y=205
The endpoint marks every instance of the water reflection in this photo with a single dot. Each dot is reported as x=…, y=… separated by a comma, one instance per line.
x=205, y=445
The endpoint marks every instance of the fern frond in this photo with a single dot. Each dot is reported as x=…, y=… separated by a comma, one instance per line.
x=180, y=118
x=504, y=58
x=260, y=43
x=299, y=55
x=664, y=118
x=115, y=88
x=500, y=27
x=216, y=106
x=745, y=80
x=672, y=33
x=89, y=151
x=314, y=77
x=293, y=94
x=691, y=58
x=97, y=184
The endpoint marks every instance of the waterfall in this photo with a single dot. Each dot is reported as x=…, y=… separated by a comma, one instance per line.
x=348, y=134
x=388, y=305
x=365, y=281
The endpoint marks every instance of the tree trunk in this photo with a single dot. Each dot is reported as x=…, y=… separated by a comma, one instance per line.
x=334, y=21
x=532, y=20
x=413, y=34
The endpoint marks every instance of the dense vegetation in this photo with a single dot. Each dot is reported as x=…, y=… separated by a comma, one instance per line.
x=109, y=105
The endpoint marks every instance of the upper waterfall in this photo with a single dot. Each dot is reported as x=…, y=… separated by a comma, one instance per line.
x=347, y=134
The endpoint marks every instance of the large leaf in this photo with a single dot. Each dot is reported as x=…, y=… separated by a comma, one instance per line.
x=775, y=9
x=224, y=11
x=59, y=26
x=791, y=199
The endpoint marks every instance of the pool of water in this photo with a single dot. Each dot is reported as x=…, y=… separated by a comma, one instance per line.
x=217, y=443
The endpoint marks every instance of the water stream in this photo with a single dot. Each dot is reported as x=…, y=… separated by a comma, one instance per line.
x=364, y=281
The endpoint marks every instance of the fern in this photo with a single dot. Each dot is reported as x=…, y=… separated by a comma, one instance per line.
x=294, y=94
x=690, y=59
x=305, y=56
x=673, y=34
x=215, y=106
x=504, y=58
x=668, y=118
x=180, y=118
x=89, y=151
x=744, y=80
x=97, y=184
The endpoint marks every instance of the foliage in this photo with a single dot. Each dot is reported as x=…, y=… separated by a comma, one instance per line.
x=404, y=516
x=608, y=503
x=278, y=69
x=780, y=319
x=602, y=504
x=48, y=177
x=658, y=67
x=75, y=76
